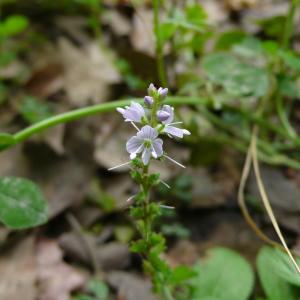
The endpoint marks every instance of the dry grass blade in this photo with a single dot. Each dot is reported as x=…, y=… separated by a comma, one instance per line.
x=265, y=199
x=242, y=203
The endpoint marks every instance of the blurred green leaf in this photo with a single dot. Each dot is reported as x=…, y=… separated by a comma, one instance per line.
x=276, y=274
x=195, y=14
x=237, y=79
x=13, y=25
x=291, y=60
x=22, y=204
x=227, y=39
x=99, y=289
x=273, y=27
x=287, y=87
x=181, y=274
x=223, y=275
x=166, y=31
x=33, y=110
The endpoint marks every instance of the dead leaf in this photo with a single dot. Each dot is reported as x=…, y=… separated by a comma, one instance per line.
x=56, y=279
x=109, y=256
x=85, y=73
x=88, y=72
x=118, y=22
x=282, y=191
x=142, y=37
x=130, y=286
x=18, y=272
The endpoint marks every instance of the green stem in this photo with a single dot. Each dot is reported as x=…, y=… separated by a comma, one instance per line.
x=284, y=118
x=288, y=27
x=93, y=110
x=159, y=45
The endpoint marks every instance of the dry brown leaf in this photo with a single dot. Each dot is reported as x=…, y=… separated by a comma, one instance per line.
x=118, y=22
x=283, y=192
x=88, y=72
x=56, y=279
x=142, y=37
x=109, y=256
x=18, y=272
x=130, y=286
x=85, y=73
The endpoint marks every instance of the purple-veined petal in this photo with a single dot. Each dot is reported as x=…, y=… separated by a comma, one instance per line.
x=178, y=132
x=147, y=132
x=132, y=113
x=133, y=145
x=169, y=109
x=157, y=147
x=146, y=156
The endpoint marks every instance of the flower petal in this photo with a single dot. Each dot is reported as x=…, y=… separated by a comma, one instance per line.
x=170, y=110
x=157, y=147
x=146, y=156
x=147, y=132
x=133, y=145
x=178, y=132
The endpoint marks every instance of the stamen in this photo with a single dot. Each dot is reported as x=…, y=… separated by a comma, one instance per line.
x=165, y=184
x=119, y=166
x=174, y=161
x=135, y=126
x=167, y=207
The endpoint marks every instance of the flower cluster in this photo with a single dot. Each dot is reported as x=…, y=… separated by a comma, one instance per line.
x=155, y=119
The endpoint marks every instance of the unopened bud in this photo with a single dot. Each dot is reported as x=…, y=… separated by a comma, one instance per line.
x=163, y=92
x=162, y=115
x=148, y=101
x=151, y=89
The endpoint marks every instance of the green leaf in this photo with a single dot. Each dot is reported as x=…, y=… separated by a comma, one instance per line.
x=227, y=39
x=287, y=87
x=6, y=140
x=22, y=204
x=237, y=79
x=33, y=110
x=196, y=14
x=166, y=31
x=275, y=271
x=291, y=60
x=181, y=273
x=13, y=25
x=224, y=275
x=99, y=289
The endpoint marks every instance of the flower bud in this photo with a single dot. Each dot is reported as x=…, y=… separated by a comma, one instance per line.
x=152, y=90
x=162, y=115
x=163, y=93
x=148, y=101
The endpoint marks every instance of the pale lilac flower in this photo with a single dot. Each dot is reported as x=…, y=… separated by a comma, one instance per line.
x=163, y=92
x=147, y=143
x=133, y=113
x=169, y=128
x=148, y=101
x=162, y=115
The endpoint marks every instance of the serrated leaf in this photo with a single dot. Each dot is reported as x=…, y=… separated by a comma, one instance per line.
x=22, y=204
x=274, y=272
x=237, y=79
x=224, y=275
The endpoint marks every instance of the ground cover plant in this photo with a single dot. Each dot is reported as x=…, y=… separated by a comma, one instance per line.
x=149, y=150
